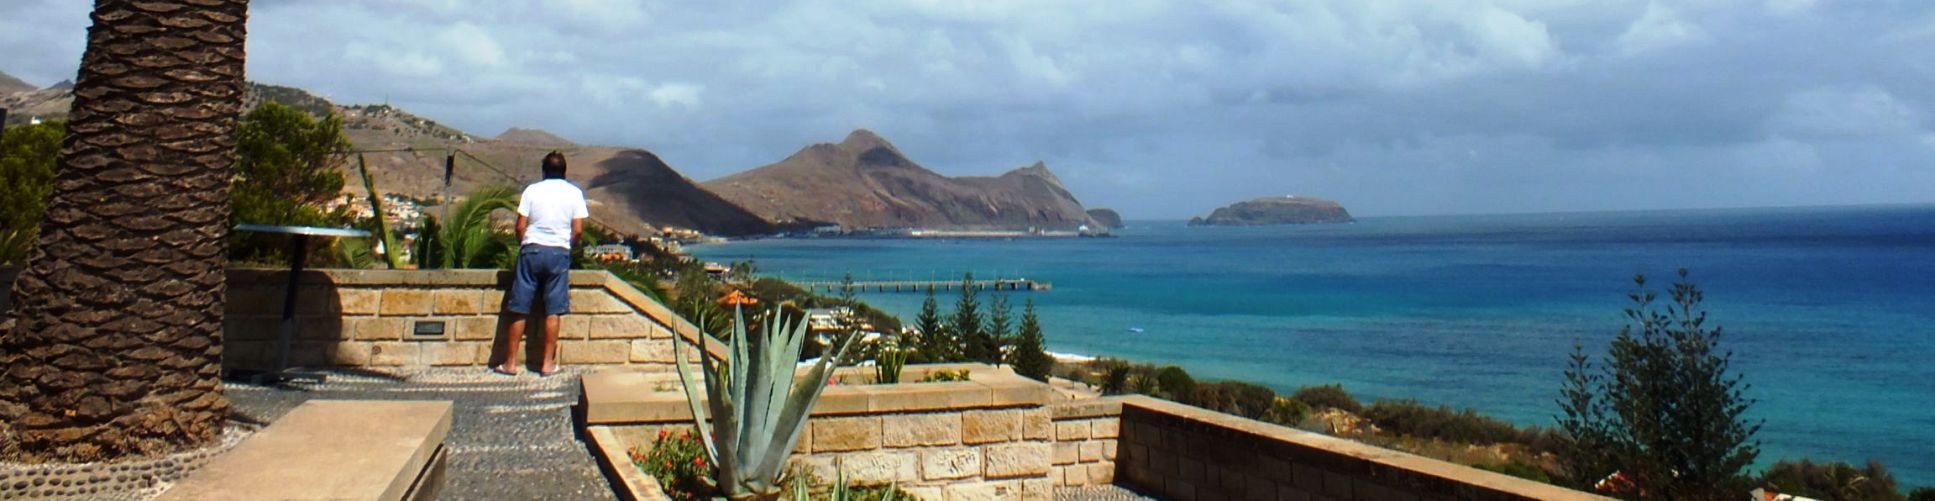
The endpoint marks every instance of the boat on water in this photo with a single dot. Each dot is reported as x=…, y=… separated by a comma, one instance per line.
x=1137, y=330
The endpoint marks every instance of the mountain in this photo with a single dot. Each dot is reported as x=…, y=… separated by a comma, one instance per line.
x=1106, y=217
x=10, y=85
x=630, y=190
x=1276, y=210
x=864, y=182
x=533, y=137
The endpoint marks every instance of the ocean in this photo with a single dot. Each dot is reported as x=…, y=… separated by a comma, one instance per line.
x=1829, y=312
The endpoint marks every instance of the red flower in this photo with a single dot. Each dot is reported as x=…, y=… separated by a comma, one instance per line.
x=662, y=434
x=668, y=464
x=699, y=462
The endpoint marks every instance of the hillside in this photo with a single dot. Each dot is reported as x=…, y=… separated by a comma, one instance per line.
x=10, y=85
x=864, y=182
x=630, y=190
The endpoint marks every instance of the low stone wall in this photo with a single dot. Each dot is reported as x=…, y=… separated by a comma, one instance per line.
x=988, y=438
x=370, y=318
x=1183, y=452
x=1086, y=438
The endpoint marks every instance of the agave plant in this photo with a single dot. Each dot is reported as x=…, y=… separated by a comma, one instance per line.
x=756, y=405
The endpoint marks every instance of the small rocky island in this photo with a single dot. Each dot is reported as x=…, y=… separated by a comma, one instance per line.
x=1276, y=210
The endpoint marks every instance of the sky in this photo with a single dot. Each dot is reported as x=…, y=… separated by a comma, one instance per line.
x=1164, y=109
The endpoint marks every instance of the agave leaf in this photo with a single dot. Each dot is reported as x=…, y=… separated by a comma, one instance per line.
x=692, y=395
x=798, y=404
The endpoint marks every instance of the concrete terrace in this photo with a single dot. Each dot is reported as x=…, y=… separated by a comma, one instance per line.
x=511, y=437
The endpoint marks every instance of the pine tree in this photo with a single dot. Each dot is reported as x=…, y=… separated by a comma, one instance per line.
x=932, y=343
x=999, y=330
x=969, y=339
x=1030, y=356
x=1663, y=408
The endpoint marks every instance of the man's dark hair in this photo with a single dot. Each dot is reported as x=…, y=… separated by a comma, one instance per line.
x=554, y=166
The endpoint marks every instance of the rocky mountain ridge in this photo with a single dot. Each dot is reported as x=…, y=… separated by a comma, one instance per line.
x=864, y=182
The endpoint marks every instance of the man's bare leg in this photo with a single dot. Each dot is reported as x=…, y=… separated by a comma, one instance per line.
x=550, y=351
x=511, y=341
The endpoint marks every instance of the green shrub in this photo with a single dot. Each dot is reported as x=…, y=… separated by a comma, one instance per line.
x=1287, y=412
x=1834, y=481
x=1408, y=417
x=1175, y=382
x=1922, y=494
x=1328, y=396
x=1234, y=397
x=942, y=376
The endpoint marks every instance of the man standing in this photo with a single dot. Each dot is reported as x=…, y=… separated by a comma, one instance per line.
x=550, y=216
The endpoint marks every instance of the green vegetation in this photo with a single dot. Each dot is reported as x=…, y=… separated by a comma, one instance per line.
x=943, y=376
x=1412, y=419
x=754, y=408
x=27, y=155
x=965, y=326
x=888, y=362
x=678, y=463
x=1836, y=481
x=1030, y=355
x=932, y=342
x=1329, y=396
x=1662, y=409
x=467, y=240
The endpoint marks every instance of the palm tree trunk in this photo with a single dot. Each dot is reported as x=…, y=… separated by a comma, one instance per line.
x=113, y=346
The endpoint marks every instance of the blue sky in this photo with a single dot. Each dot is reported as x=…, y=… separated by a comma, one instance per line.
x=1165, y=109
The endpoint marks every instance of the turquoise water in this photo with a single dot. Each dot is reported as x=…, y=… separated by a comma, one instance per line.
x=1830, y=312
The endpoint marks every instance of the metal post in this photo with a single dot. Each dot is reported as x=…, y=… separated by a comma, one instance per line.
x=449, y=167
x=299, y=252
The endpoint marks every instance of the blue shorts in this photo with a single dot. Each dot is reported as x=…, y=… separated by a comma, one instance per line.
x=542, y=271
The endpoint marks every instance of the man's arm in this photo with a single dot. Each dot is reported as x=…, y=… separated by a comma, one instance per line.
x=522, y=223
x=577, y=229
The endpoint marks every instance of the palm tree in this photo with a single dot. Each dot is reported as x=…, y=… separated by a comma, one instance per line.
x=467, y=237
x=113, y=347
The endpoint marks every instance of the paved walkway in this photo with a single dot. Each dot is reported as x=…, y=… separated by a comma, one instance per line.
x=511, y=438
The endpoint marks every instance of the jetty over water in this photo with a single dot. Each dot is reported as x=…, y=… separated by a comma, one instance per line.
x=999, y=284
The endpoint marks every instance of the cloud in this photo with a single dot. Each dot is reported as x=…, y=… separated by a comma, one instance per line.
x=1164, y=108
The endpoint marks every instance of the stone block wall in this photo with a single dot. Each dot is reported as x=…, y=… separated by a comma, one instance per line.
x=367, y=318
x=1086, y=437
x=1176, y=451
x=992, y=437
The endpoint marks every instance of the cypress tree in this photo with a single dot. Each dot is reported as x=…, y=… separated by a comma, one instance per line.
x=1663, y=408
x=931, y=345
x=1030, y=357
x=999, y=330
x=969, y=339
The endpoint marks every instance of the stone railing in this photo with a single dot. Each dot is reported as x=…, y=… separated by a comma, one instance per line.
x=987, y=438
x=384, y=318
x=1183, y=452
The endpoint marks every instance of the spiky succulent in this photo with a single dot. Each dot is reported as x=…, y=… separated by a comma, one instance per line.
x=757, y=406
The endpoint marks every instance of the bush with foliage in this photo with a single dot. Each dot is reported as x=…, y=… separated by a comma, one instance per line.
x=1922, y=494
x=1662, y=409
x=1410, y=418
x=27, y=155
x=1834, y=481
x=943, y=376
x=287, y=164
x=1030, y=354
x=1328, y=396
x=1249, y=400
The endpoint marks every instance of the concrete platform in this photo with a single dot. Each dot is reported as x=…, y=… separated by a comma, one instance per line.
x=332, y=449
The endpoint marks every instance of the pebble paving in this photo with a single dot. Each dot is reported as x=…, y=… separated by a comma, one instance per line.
x=511, y=438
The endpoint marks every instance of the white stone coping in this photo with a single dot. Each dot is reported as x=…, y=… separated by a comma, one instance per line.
x=328, y=449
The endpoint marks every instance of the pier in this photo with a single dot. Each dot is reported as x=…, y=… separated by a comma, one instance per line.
x=1001, y=284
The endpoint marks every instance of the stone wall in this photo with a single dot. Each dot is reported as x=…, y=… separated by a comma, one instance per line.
x=1086, y=437
x=369, y=318
x=1182, y=452
x=988, y=438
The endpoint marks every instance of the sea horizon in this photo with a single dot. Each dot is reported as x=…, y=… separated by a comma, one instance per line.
x=1825, y=308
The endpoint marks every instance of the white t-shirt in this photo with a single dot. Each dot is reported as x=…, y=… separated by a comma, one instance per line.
x=551, y=205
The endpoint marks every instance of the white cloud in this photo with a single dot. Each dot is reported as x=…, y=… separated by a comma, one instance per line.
x=1659, y=28
x=680, y=95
